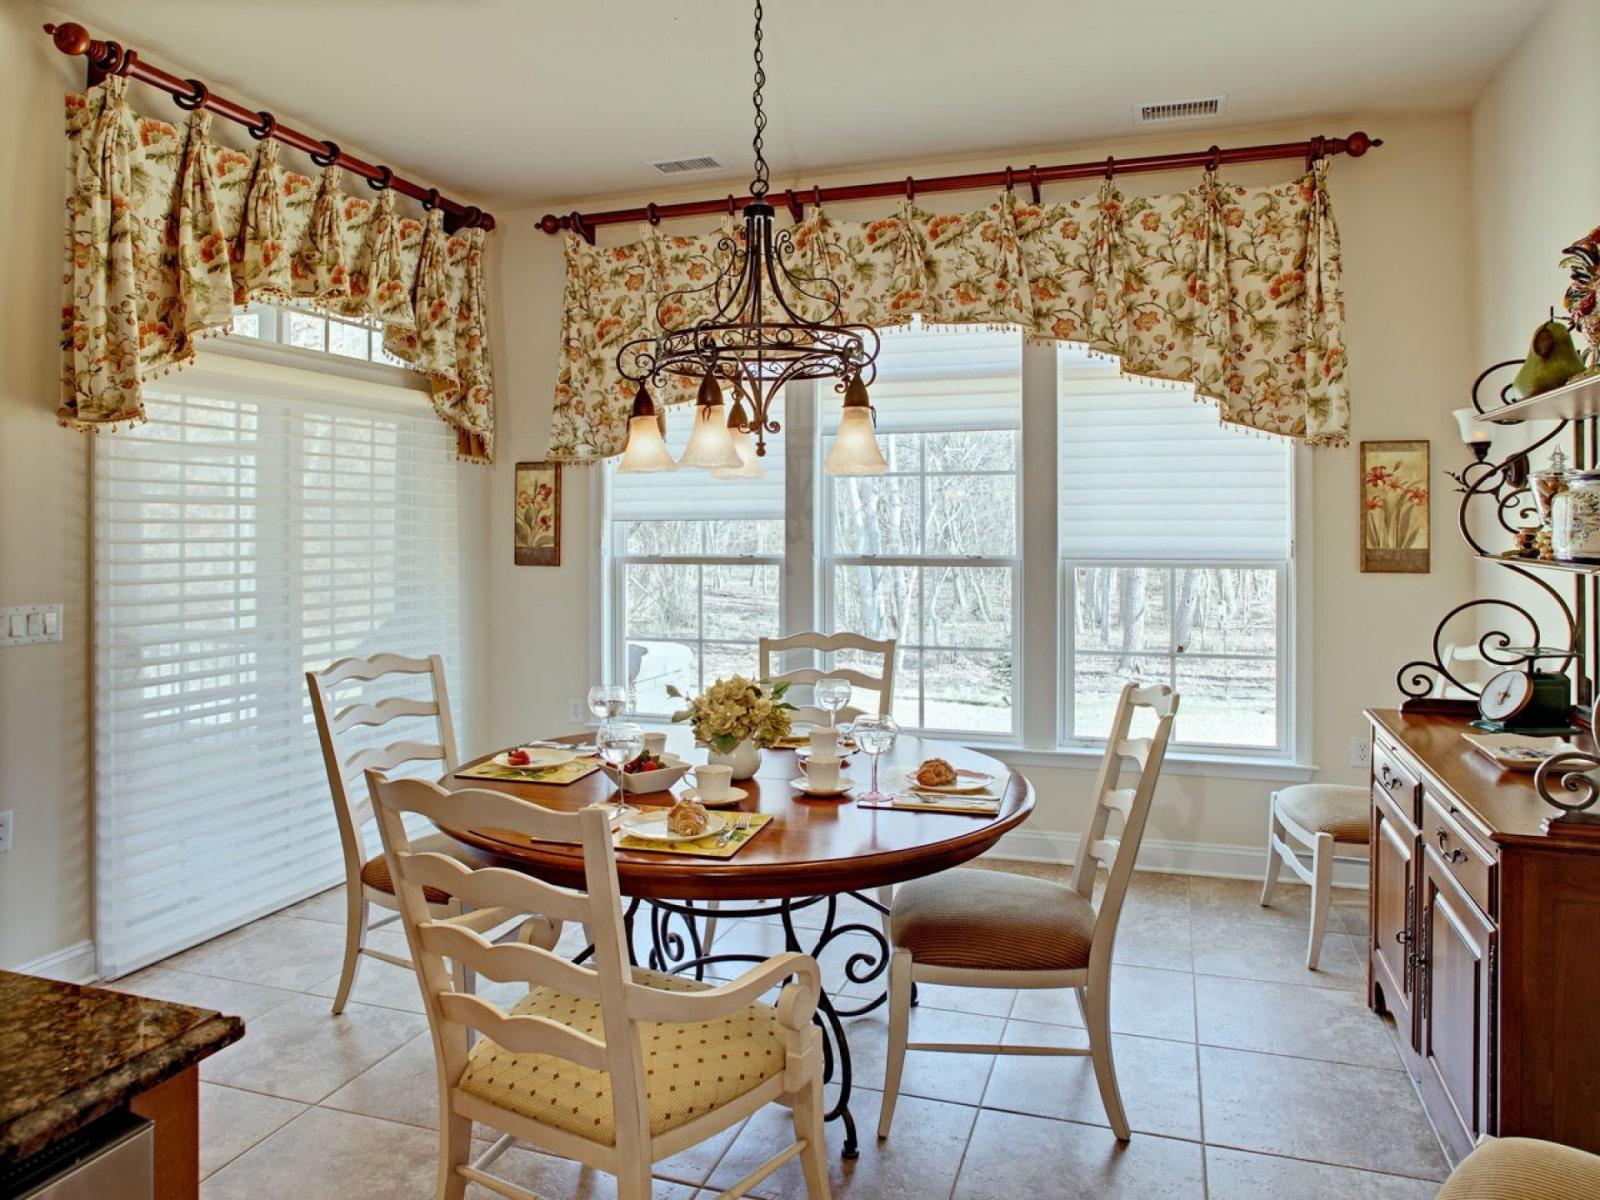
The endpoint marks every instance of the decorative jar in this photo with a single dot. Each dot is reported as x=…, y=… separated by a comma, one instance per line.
x=1549, y=483
x=1575, y=519
x=745, y=758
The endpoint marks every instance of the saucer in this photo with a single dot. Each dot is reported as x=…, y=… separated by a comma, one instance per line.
x=803, y=785
x=733, y=797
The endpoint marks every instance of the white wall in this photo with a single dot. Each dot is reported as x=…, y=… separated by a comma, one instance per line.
x=1404, y=216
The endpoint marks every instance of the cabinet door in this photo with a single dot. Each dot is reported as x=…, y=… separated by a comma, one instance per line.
x=1456, y=997
x=1393, y=937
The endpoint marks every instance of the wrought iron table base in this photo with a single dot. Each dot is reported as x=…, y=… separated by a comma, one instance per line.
x=676, y=951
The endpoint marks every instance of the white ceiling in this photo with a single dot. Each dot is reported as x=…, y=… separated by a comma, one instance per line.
x=515, y=101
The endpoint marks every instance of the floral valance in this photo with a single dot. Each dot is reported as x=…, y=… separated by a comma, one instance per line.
x=1235, y=290
x=167, y=230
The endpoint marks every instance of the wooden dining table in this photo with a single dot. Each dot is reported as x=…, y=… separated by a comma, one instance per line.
x=811, y=854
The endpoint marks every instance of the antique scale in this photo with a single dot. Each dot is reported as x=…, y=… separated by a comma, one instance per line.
x=1526, y=700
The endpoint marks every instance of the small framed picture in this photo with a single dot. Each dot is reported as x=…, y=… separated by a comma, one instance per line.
x=538, y=514
x=1394, y=507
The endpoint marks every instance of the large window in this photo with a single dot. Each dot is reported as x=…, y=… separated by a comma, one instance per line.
x=1047, y=530
x=927, y=553
x=245, y=534
x=697, y=574
x=307, y=328
x=1175, y=547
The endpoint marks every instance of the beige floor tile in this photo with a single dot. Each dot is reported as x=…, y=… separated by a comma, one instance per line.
x=1012, y=1157
x=1156, y=938
x=237, y=999
x=1240, y=900
x=1283, y=1018
x=301, y=1052
x=1158, y=1080
x=1326, y=1112
x=546, y=1175
x=378, y=983
x=959, y=1078
x=286, y=953
x=987, y=1002
x=403, y=1087
x=324, y=906
x=1144, y=1001
x=231, y=1121
x=1235, y=1175
x=918, y=1160
x=1276, y=954
x=328, y=1155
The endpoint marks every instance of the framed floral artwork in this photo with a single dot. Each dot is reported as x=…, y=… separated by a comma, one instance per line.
x=538, y=514
x=1394, y=507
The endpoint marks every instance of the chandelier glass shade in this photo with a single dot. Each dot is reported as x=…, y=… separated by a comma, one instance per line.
x=769, y=326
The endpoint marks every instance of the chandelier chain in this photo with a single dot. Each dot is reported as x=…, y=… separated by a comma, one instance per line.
x=758, y=185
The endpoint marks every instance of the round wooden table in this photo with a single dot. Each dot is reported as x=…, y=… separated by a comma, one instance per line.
x=811, y=853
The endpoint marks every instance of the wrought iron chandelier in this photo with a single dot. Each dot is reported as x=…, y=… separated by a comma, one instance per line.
x=755, y=342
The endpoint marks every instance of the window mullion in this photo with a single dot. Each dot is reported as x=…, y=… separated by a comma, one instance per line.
x=1037, y=606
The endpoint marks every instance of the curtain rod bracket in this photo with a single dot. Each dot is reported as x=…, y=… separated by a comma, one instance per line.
x=1033, y=183
x=797, y=211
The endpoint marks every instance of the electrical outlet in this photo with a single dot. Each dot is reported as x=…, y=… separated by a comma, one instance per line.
x=1360, y=752
x=575, y=708
x=7, y=819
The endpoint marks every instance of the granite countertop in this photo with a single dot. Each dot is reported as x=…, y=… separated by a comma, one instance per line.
x=70, y=1054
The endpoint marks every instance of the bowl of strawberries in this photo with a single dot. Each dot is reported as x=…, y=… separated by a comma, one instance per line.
x=652, y=773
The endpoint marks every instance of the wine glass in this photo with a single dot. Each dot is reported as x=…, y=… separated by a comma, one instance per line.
x=619, y=743
x=876, y=736
x=607, y=700
x=832, y=693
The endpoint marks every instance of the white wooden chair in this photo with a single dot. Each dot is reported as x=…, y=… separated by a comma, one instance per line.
x=614, y=1068
x=367, y=881
x=975, y=928
x=1329, y=821
x=828, y=643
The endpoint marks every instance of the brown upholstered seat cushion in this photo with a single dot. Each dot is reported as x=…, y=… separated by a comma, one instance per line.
x=1328, y=808
x=375, y=872
x=992, y=921
x=1524, y=1169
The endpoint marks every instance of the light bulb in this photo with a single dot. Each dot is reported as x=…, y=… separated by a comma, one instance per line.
x=710, y=444
x=855, y=446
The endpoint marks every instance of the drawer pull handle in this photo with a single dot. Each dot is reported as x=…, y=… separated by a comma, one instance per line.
x=1403, y=936
x=1457, y=855
x=1387, y=778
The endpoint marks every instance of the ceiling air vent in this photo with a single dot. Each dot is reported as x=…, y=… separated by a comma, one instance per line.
x=685, y=166
x=1179, y=110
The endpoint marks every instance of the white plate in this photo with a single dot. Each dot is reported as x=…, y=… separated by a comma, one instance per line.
x=966, y=781
x=538, y=759
x=733, y=797
x=801, y=784
x=804, y=752
x=650, y=825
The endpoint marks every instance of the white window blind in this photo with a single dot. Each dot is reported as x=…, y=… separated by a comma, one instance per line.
x=695, y=495
x=1146, y=473
x=245, y=534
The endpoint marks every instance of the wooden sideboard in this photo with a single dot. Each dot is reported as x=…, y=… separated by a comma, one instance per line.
x=1485, y=938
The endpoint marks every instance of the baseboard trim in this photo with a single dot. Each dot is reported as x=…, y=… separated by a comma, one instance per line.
x=71, y=964
x=1173, y=858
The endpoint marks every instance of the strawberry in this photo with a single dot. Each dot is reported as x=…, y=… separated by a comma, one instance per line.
x=519, y=757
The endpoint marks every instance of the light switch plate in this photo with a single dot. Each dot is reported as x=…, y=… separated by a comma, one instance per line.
x=30, y=624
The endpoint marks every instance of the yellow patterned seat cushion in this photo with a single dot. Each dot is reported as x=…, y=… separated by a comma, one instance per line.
x=1328, y=808
x=1523, y=1169
x=689, y=1069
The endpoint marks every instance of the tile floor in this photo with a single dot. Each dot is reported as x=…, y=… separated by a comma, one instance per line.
x=1244, y=1075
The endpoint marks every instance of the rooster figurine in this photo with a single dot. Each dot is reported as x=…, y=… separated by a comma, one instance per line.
x=1582, y=300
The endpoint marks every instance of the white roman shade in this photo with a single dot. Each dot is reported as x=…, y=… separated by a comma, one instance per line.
x=1147, y=474
x=689, y=495
x=941, y=380
x=246, y=533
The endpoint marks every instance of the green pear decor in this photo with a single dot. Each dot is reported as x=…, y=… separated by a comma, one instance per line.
x=1582, y=300
x=1551, y=361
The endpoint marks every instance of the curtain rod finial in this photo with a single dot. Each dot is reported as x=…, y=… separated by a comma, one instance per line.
x=1358, y=143
x=69, y=37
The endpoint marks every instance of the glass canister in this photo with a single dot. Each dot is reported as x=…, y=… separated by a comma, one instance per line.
x=1575, y=519
x=1547, y=484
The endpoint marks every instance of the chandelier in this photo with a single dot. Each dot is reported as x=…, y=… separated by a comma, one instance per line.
x=753, y=343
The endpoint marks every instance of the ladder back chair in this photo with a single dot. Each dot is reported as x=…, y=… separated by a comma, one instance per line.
x=1328, y=820
x=367, y=880
x=612, y=1066
x=881, y=684
x=976, y=928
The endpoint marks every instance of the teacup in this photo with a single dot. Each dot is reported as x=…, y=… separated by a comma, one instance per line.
x=825, y=742
x=655, y=744
x=713, y=781
x=822, y=774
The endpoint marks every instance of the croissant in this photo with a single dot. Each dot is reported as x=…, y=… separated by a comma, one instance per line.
x=935, y=773
x=688, y=818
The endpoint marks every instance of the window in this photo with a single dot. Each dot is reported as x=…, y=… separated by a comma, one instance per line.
x=927, y=553
x=697, y=575
x=305, y=328
x=1031, y=491
x=1175, y=548
x=242, y=537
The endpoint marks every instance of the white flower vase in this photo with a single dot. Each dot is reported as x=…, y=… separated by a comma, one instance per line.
x=745, y=759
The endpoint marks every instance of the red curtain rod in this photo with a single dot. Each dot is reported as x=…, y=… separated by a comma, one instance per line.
x=1355, y=146
x=111, y=58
